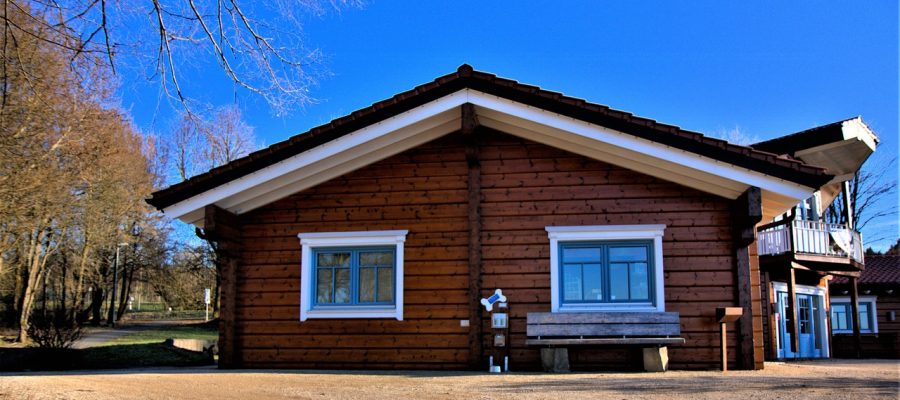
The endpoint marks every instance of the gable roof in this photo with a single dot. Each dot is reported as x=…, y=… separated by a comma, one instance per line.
x=880, y=270
x=495, y=96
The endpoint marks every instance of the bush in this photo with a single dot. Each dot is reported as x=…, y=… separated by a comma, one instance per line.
x=54, y=330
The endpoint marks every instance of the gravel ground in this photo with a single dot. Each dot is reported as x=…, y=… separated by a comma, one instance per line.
x=803, y=380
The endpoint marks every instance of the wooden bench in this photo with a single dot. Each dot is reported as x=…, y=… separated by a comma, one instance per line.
x=557, y=331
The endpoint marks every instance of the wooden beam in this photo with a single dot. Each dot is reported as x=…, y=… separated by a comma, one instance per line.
x=854, y=311
x=770, y=304
x=747, y=212
x=222, y=230
x=794, y=325
x=476, y=344
x=848, y=212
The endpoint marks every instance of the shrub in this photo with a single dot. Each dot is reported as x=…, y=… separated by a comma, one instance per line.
x=54, y=330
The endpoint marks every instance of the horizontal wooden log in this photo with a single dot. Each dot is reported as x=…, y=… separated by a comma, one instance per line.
x=603, y=341
x=367, y=341
x=355, y=355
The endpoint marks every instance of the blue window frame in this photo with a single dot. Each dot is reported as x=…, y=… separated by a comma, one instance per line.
x=607, y=272
x=841, y=321
x=353, y=276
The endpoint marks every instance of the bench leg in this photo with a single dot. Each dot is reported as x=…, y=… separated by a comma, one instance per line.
x=555, y=359
x=656, y=359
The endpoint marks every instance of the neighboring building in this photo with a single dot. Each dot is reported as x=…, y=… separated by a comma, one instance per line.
x=368, y=242
x=879, y=304
x=800, y=251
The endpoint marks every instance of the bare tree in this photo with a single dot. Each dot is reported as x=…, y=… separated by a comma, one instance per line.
x=257, y=45
x=198, y=144
x=870, y=186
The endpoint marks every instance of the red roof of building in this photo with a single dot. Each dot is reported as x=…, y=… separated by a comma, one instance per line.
x=880, y=270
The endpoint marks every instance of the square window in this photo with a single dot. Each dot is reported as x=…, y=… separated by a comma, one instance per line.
x=352, y=275
x=606, y=268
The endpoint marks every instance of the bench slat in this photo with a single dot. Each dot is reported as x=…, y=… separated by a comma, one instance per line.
x=603, y=330
x=602, y=341
x=602, y=317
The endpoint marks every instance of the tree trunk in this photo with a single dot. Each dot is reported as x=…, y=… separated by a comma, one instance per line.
x=96, y=304
x=34, y=274
x=127, y=278
x=82, y=263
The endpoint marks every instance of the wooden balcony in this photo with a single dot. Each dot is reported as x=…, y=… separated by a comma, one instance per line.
x=817, y=245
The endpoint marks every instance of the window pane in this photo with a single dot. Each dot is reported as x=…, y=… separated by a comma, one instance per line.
x=640, y=288
x=592, y=282
x=333, y=260
x=618, y=281
x=323, y=286
x=864, y=317
x=581, y=254
x=572, y=282
x=803, y=314
x=366, y=285
x=385, y=285
x=630, y=253
x=342, y=285
x=839, y=317
x=376, y=259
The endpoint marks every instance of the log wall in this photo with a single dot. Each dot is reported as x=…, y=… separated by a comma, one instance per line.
x=525, y=187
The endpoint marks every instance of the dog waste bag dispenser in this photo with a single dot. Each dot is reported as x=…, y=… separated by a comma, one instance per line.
x=497, y=305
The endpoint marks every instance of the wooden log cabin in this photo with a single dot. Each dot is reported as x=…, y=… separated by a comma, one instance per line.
x=368, y=242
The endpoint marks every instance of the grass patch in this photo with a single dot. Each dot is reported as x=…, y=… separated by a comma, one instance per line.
x=199, y=331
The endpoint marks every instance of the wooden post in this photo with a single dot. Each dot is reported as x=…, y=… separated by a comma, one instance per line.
x=723, y=316
x=476, y=339
x=747, y=212
x=794, y=326
x=848, y=212
x=724, y=343
x=222, y=229
x=854, y=311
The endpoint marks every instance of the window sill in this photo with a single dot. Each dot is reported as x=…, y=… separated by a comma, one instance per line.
x=610, y=307
x=355, y=312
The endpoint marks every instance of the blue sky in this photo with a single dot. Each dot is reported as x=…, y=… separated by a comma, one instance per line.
x=765, y=68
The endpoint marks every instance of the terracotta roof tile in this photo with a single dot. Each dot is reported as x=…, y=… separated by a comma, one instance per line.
x=879, y=270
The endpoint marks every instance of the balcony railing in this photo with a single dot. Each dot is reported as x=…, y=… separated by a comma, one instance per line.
x=810, y=237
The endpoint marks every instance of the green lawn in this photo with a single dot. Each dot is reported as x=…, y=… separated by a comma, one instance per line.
x=204, y=332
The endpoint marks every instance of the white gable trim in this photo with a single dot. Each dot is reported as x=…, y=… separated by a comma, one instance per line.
x=442, y=116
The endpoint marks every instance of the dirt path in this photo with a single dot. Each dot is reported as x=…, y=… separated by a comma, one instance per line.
x=98, y=336
x=854, y=380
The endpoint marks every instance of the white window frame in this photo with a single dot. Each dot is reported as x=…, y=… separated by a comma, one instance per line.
x=588, y=233
x=862, y=299
x=313, y=240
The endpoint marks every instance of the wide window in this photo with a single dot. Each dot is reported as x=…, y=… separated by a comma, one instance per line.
x=606, y=272
x=606, y=268
x=841, y=310
x=352, y=275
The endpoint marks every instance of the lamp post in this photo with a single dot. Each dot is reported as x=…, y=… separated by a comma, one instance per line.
x=112, y=300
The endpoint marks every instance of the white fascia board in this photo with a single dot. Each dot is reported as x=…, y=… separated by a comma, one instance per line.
x=626, y=141
x=355, y=139
x=621, y=157
x=235, y=193
x=336, y=166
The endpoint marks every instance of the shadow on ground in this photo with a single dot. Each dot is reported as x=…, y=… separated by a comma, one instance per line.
x=105, y=357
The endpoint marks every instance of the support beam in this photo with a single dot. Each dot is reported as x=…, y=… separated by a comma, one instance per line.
x=854, y=311
x=794, y=326
x=848, y=211
x=469, y=132
x=222, y=231
x=747, y=212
